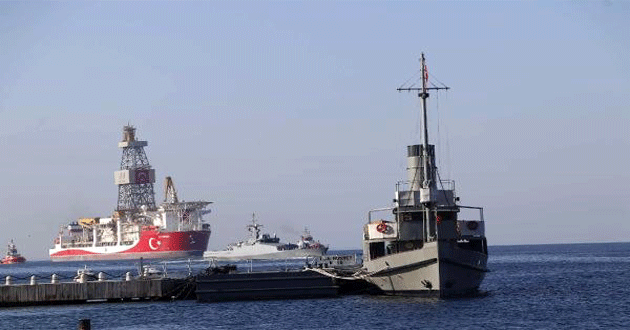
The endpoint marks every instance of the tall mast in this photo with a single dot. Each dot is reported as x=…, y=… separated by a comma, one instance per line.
x=424, y=95
x=425, y=139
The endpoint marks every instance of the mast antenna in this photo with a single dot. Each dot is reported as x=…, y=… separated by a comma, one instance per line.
x=429, y=181
x=424, y=95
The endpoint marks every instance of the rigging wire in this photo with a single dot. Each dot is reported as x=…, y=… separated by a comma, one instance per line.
x=437, y=115
x=417, y=135
x=436, y=79
x=448, y=166
x=415, y=75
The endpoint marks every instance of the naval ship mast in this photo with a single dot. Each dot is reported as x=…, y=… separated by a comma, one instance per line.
x=428, y=185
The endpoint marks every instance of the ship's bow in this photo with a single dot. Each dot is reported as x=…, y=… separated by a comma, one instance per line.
x=461, y=270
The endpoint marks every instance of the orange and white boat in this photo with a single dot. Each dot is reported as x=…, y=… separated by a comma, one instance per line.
x=12, y=256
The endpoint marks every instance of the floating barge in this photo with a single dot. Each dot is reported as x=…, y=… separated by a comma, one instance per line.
x=298, y=284
x=322, y=277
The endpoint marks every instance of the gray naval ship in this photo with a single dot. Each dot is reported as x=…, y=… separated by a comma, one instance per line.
x=262, y=246
x=424, y=245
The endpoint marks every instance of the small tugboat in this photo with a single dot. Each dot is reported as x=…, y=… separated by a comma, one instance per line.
x=12, y=257
x=85, y=274
x=264, y=246
x=151, y=272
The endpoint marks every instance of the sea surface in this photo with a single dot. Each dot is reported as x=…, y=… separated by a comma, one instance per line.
x=568, y=286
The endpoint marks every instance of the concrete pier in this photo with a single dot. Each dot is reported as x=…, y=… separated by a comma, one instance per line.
x=72, y=292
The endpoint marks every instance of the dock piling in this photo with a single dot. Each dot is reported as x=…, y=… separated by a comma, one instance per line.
x=84, y=324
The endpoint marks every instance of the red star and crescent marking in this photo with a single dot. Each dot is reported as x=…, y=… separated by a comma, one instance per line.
x=142, y=176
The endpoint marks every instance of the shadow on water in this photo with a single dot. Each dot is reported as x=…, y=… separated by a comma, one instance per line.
x=423, y=299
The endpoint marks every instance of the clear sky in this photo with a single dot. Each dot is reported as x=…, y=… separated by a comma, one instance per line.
x=290, y=110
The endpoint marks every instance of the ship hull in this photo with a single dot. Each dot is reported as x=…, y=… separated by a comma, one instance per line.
x=13, y=260
x=128, y=256
x=276, y=255
x=151, y=245
x=435, y=270
x=461, y=271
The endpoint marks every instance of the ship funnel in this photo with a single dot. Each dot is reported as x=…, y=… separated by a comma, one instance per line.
x=415, y=167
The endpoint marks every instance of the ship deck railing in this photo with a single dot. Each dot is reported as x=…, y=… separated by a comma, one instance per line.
x=262, y=265
x=465, y=217
x=65, y=245
x=76, y=245
x=479, y=218
x=384, y=209
x=404, y=185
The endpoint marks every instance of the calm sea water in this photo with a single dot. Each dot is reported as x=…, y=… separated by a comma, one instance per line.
x=570, y=286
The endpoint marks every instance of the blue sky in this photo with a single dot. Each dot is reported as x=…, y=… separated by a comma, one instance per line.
x=290, y=110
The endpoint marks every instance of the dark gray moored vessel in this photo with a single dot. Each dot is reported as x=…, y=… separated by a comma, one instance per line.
x=425, y=248
x=298, y=284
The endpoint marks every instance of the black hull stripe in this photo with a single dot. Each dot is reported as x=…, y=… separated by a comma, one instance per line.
x=399, y=269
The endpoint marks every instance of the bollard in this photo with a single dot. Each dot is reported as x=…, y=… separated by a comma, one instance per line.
x=128, y=276
x=9, y=280
x=84, y=324
x=33, y=280
x=82, y=278
x=101, y=276
x=54, y=279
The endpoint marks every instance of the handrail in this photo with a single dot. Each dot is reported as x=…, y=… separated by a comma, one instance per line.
x=474, y=208
x=447, y=184
x=378, y=210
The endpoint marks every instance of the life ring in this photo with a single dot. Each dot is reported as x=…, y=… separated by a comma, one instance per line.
x=472, y=225
x=381, y=228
